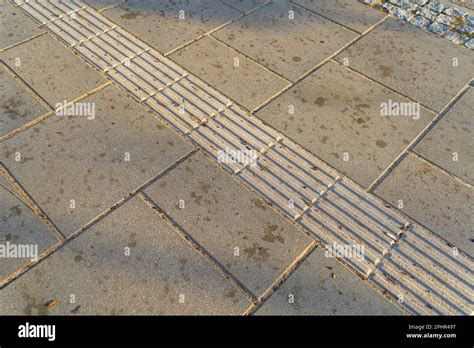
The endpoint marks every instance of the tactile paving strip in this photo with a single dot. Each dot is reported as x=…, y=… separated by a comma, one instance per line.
x=349, y=216
x=289, y=179
x=428, y=274
x=400, y=258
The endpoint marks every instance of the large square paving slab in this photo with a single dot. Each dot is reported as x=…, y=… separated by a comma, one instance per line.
x=93, y=162
x=15, y=26
x=51, y=70
x=17, y=105
x=290, y=43
x=337, y=116
x=232, y=73
x=351, y=13
x=322, y=286
x=433, y=198
x=248, y=238
x=123, y=265
x=450, y=143
x=166, y=25
x=414, y=62
x=20, y=229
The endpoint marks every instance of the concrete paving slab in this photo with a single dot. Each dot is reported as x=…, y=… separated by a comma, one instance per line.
x=17, y=106
x=243, y=5
x=350, y=13
x=16, y=27
x=22, y=235
x=450, y=143
x=337, y=115
x=166, y=25
x=96, y=269
x=322, y=286
x=91, y=161
x=222, y=216
x=433, y=198
x=231, y=73
x=4, y=182
x=412, y=61
x=286, y=38
x=53, y=72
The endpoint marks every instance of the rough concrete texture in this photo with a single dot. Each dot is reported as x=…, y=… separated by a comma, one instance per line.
x=52, y=71
x=321, y=286
x=352, y=14
x=17, y=106
x=382, y=102
x=349, y=131
x=214, y=203
x=22, y=235
x=301, y=38
x=167, y=25
x=229, y=71
x=433, y=198
x=123, y=265
x=449, y=144
x=89, y=164
x=15, y=26
x=411, y=61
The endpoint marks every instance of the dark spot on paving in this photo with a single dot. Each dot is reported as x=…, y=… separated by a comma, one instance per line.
x=320, y=101
x=296, y=59
x=381, y=143
x=32, y=304
x=77, y=258
x=16, y=211
x=130, y=15
x=270, y=234
x=196, y=198
x=217, y=65
x=204, y=187
x=259, y=204
x=10, y=107
x=182, y=263
x=386, y=70
x=257, y=252
x=229, y=294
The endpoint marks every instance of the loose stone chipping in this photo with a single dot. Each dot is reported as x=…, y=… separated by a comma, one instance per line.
x=447, y=21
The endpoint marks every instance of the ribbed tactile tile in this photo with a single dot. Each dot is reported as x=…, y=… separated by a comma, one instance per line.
x=289, y=178
x=233, y=132
x=349, y=216
x=427, y=275
x=186, y=104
